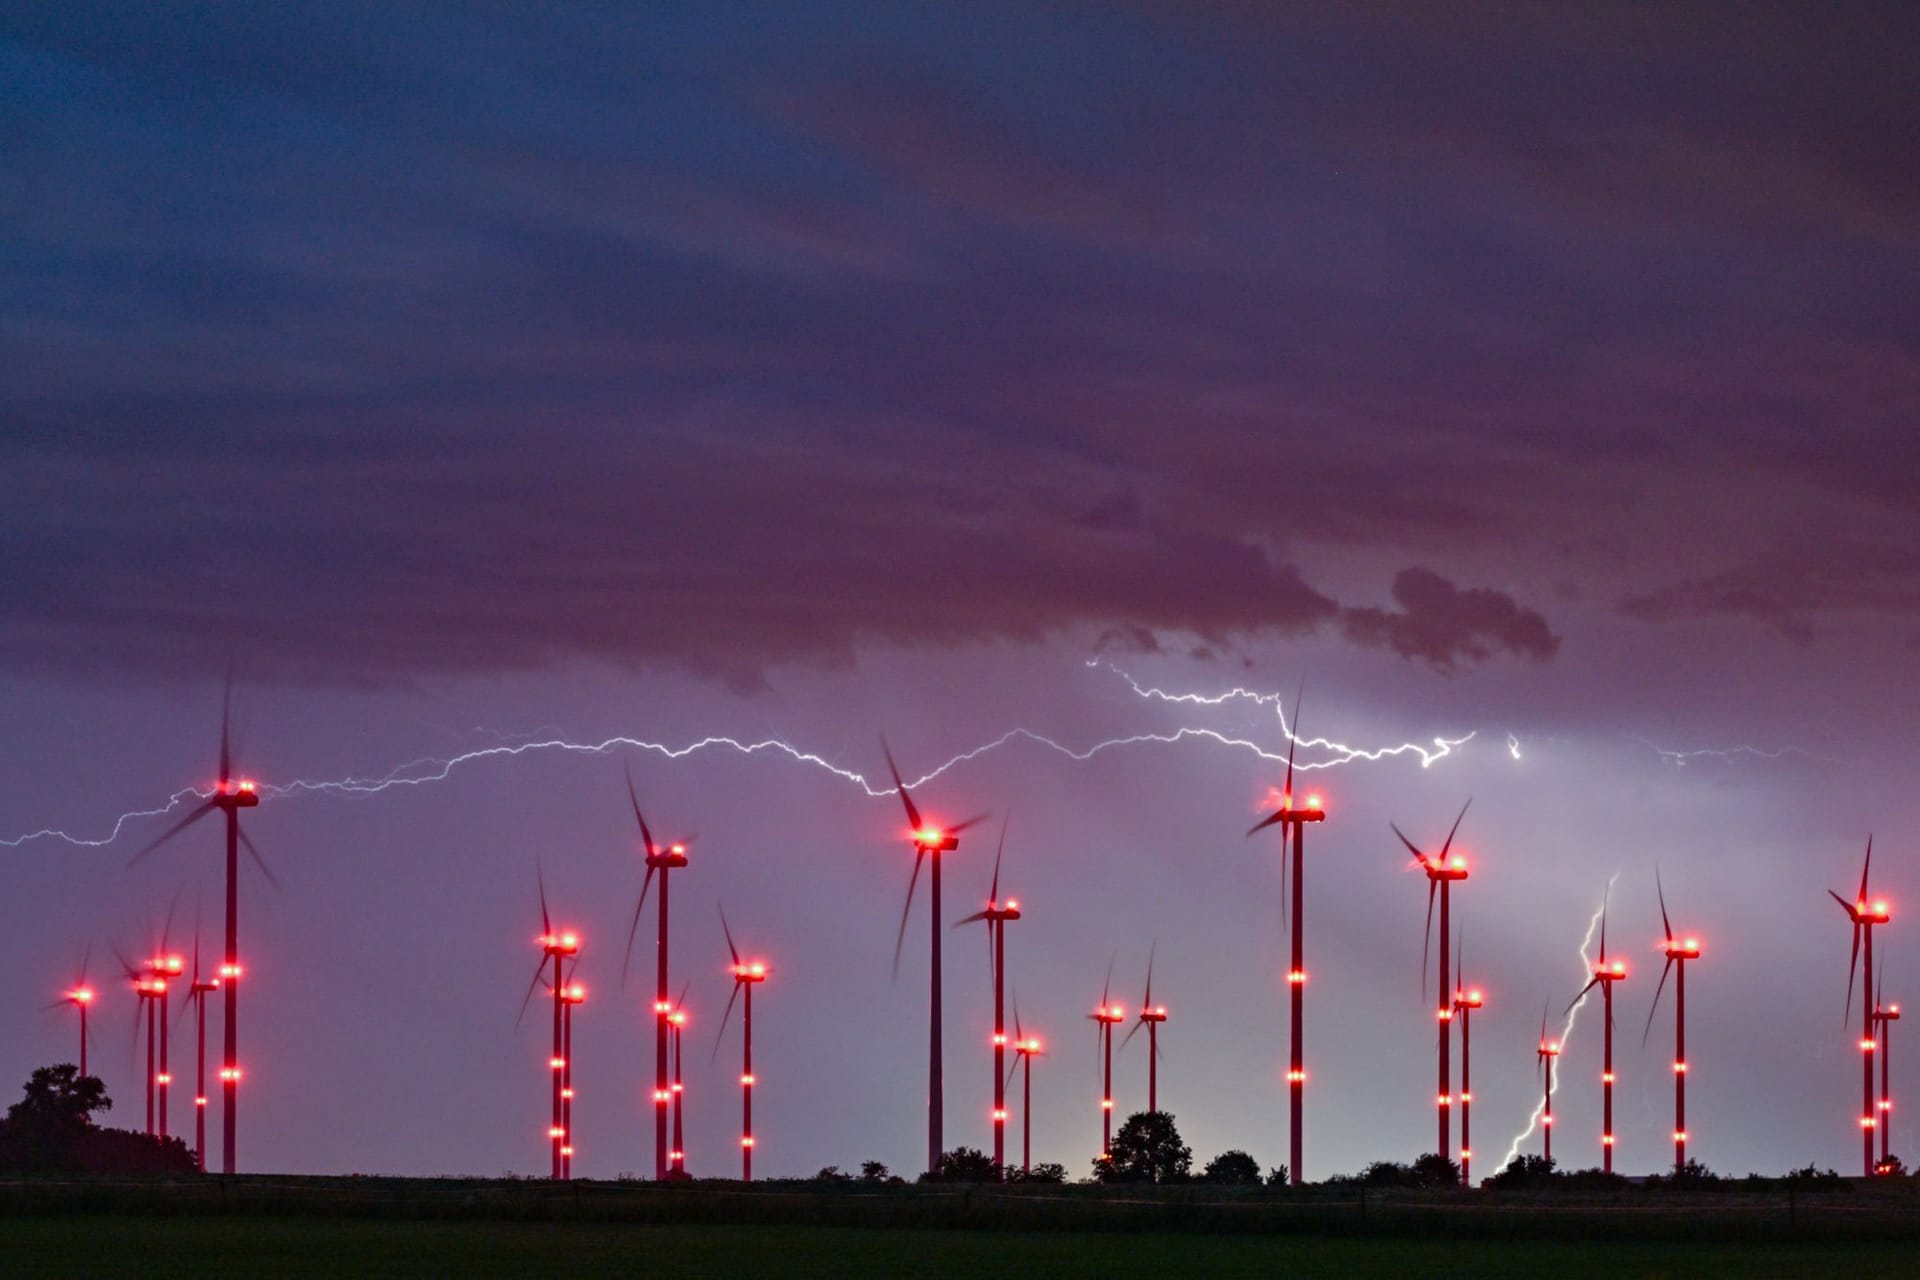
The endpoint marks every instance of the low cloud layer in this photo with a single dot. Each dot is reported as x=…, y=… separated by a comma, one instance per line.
x=1443, y=625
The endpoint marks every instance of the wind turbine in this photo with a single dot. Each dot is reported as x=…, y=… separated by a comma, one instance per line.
x=1151, y=1016
x=1543, y=1058
x=677, y=1158
x=1605, y=974
x=745, y=976
x=1465, y=1001
x=80, y=996
x=556, y=947
x=1292, y=820
x=1107, y=1016
x=1884, y=1016
x=198, y=989
x=1441, y=872
x=996, y=916
x=1679, y=951
x=664, y=859
x=229, y=796
x=571, y=996
x=1025, y=1051
x=147, y=989
x=930, y=840
x=1865, y=914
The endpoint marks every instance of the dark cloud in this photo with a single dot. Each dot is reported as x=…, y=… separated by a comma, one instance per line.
x=417, y=342
x=1443, y=625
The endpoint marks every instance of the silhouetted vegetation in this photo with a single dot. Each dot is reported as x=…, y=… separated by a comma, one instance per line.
x=874, y=1171
x=1232, y=1169
x=1147, y=1148
x=52, y=1130
x=964, y=1164
x=1524, y=1172
x=1279, y=1176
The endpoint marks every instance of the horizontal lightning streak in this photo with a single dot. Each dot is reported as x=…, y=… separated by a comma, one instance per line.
x=425, y=770
x=1680, y=759
x=1566, y=1032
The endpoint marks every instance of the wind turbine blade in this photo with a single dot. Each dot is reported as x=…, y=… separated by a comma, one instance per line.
x=86, y=956
x=726, y=929
x=1106, y=985
x=975, y=918
x=1278, y=815
x=1864, y=868
x=1011, y=1071
x=1293, y=736
x=540, y=879
x=993, y=893
x=166, y=925
x=913, y=814
x=1606, y=896
x=253, y=852
x=633, y=930
x=1017, y=1033
x=1412, y=848
x=719, y=1035
x=1426, y=943
x=1846, y=1014
x=919, y=856
x=1655, y=1007
x=226, y=729
x=1455, y=828
x=1147, y=1003
x=1460, y=951
x=1128, y=1038
x=1577, y=999
x=646, y=835
x=1662, y=890
x=539, y=973
x=975, y=820
x=194, y=815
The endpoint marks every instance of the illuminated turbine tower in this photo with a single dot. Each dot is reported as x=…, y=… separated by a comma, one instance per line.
x=1151, y=1016
x=1025, y=1049
x=230, y=795
x=1106, y=1016
x=1865, y=914
x=80, y=996
x=571, y=996
x=1884, y=1016
x=555, y=947
x=1678, y=952
x=930, y=840
x=1292, y=820
x=746, y=975
x=1441, y=871
x=1605, y=974
x=198, y=989
x=996, y=916
x=1544, y=1059
x=665, y=859
x=1465, y=1001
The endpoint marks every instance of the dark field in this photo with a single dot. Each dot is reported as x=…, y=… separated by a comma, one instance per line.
x=198, y=1247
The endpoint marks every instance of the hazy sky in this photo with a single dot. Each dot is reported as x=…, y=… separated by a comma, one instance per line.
x=1538, y=379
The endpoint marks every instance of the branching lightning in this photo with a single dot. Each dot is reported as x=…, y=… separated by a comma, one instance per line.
x=1566, y=1031
x=431, y=769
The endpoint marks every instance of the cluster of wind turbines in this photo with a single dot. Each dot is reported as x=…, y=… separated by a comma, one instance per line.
x=560, y=951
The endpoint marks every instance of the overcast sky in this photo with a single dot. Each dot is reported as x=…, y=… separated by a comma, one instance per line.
x=1538, y=379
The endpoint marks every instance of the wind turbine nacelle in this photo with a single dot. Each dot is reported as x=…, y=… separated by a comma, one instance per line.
x=934, y=840
x=236, y=795
x=667, y=859
x=1009, y=912
x=1153, y=1015
x=1688, y=950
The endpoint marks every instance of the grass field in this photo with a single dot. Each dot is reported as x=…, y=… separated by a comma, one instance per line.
x=201, y=1246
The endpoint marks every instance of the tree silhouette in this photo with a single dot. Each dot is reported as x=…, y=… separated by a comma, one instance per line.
x=964, y=1164
x=52, y=1128
x=1147, y=1149
x=1232, y=1168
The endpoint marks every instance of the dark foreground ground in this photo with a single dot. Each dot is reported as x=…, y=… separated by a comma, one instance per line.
x=197, y=1247
x=268, y=1226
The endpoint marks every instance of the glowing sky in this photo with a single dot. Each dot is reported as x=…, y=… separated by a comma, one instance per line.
x=488, y=378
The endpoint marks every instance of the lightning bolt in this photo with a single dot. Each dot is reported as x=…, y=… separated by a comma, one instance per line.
x=1566, y=1033
x=432, y=769
x=1680, y=759
x=1513, y=746
x=1341, y=752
